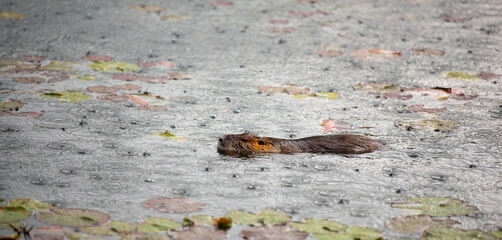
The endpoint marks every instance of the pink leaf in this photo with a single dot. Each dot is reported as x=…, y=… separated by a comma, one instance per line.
x=278, y=21
x=125, y=77
x=376, y=55
x=113, y=98
x=397, y=96
x=98, y=58
x=32, y=58
x=331, y=126
x=420, y=108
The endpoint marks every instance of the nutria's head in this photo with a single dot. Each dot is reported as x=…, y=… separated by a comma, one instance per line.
x=245, y=144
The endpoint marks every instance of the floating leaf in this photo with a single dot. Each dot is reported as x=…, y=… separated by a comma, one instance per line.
x=318, y=226
x=32, y=58
x=21, y=114
x=462, y=96
x=222, y=3
x=270, y=217
x=144, y=237
x=179, y=76
x=457, y=234
x=417, y=224
x=128, y=87
x=397, y=96
x=157, y=64
x=113, y=98
x=148, y=100
x=11, y=15
x=223, y=223
x=11, y=105
x=429, y=124
x=162, y=79
x=328, y=95
x=30, y=204
x=278, y=21
x=110, y=66
x=420, y=108
x=153, y=108
x=29, y=79
x=51, y=233
x=376, y=55
x=302, y=14
x=67, y=96
x=427, y=52
x=111, y=228
x=202, y=219
x=459, y=75
x=93, y=58
x=379, y=87
x=291, y=89
x=125, y=77
x=102, y=89
x=87, y=78
x=331, y=126
x=272, y=232
x=73, y=217
x=450, y=18
x=61, y=66
x=489, y=75
x=13, y=214
x=198, y=232
x=174, y=17
x=308, y=1
x=436, y=206
x=281, y=29
x=174, y=205
x=156, y=224
x=148, y=8
x=241, y=217
x=329, y=50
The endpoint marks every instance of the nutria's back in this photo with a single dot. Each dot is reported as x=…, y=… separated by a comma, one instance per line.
x=247, y=143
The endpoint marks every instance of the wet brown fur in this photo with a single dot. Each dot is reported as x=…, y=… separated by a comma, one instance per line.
x=248, y=143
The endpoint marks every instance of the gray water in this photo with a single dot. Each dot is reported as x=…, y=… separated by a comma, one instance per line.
x=108, y=159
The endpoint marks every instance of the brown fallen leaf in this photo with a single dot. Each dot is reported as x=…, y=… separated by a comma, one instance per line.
x=450, y=18
x=397, y=96
x=32, y=58
x=331, y=126
x=102, y=89
x=427, y=52
x=291, y=89
x=125, y=77
x=420, y=108
x=376, y=55
x=113, y=98
x=148, y=8
x=489, y=75
x=128, y=87
x=222, y=3
x=21, y=114
x=278, y=21
x=95, y=57
x=29, y=79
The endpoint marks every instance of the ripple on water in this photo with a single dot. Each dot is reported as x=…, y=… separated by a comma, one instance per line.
x=60, y=145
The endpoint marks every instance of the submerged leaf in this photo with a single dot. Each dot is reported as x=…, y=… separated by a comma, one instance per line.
x=174, y=17
x=379, y=87
x=11, y=15
x=87, y=78
x=397, y=96
x=198, y=232
x=327, y=95
x=125, y=77
x=21, y=114
x=437, y=206
x=376, y=55
x=11, y=105
x=111, y=228
x=93, y=58
x=330, y=126
x=113, y=98
x=429, y=124
x=102, y=89
x=489, y=75
x=129, y=87
x=222, y=3
x=272, y=232
x=169, y=135
x=59, y=66
x=67, y=96
x=156, y=224
x=110, y=66
x=417, y=224
x=73, y=217
x=13, y=214
x=450, y=18
x=32, y=58
x=329, y=50
x=427, y=52
x=459, y=75
x=148, y=8
x=29, y=79
x=420, y=108
x=173, y=205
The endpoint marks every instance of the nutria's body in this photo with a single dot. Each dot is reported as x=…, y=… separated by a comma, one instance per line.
x=248, y=143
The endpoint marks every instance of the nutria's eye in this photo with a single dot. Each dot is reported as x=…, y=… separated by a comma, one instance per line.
x=244, y=140
x=261, y=142
x=220, y=140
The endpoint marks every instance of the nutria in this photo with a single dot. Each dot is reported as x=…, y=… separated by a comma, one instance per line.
x=248, y=143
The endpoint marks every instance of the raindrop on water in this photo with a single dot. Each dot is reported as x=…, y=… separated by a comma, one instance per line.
x=68, y=171
x=39, y=181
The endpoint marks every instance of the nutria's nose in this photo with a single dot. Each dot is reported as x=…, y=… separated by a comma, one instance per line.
x=220, y=140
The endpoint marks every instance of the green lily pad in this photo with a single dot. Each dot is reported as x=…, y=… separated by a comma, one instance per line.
x=202, y=219
x=379, y=87
x=416, y=224
x=457, y=234
x=328, y=95
x=111, y=228
x=13, y=214
x=156, y=225
x=11, y=105
x=30, y=204
x=437, y=206
x=269, y=217
x=169, y=135
x=62, y=66
x=429, y=124
x=73, y=217
x=459, y=75
x=11, y=15
x=67, y=96
x=111, y=66
x=351, y=233
x=318, y=226
x=241, y=217
x=87, y=78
